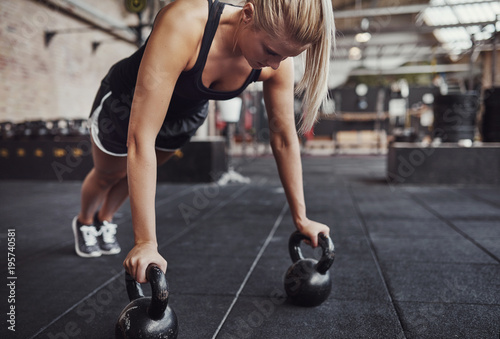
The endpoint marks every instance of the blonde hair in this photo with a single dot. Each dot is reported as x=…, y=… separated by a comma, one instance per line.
x=306, y=22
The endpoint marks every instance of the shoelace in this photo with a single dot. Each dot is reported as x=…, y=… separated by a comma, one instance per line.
x=89, y=235
x=108, y=231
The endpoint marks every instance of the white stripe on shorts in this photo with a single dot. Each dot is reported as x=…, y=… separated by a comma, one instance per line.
x=94, y=131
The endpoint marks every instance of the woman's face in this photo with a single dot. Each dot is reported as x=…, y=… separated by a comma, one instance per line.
x=261, y=50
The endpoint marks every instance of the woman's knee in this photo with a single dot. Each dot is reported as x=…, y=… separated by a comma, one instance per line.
x=106, y=179
x=108, y=169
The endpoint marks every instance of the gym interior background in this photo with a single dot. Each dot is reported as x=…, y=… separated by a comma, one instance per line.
x=404, y=165
x=420, y=72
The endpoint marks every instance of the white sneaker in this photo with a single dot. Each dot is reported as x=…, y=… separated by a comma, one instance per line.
x=107, y=237
x=85, y=240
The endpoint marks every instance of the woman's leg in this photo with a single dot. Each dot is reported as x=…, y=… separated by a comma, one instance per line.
x=108, y=171
x=115, y=197
x=118, y=193
x=106, y=184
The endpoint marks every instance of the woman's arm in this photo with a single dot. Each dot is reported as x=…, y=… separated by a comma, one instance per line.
x=279, y=99
x=170, y=48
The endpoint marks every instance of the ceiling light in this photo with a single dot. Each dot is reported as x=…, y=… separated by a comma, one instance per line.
x=354, y=53
x=365, y=24
x=363, y=37
x=455, y=12
x=361, y=90
x=428, y=98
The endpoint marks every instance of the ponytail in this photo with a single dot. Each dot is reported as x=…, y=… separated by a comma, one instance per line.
x=313, y=87
x=307, y=22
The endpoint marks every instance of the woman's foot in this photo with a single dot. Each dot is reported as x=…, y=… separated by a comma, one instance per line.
x=86, y=244
x=107, y=236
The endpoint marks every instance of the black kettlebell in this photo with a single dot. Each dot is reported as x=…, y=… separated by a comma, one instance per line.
x=147, y=317
x=307, y=281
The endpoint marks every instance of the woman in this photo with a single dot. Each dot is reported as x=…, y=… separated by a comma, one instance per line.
x=151, y=103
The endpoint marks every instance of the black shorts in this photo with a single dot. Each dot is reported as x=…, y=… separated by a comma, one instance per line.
x=110, y=117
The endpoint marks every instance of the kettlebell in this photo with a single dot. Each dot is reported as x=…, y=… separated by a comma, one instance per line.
x=307, y=281
x=147, y=317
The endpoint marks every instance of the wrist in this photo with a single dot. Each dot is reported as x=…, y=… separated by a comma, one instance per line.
x=301, y=222
x=146, y=242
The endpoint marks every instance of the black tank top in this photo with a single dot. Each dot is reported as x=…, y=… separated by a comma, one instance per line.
x=189, y=89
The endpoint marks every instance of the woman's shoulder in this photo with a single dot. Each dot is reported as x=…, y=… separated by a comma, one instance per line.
x=181, y=24
x=183, y=14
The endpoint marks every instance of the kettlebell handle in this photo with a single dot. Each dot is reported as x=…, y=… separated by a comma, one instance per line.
x=134, y=289
x=324, y=241
x=159, y=290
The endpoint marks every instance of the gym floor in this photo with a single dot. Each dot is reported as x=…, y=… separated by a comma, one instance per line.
x=411, y=261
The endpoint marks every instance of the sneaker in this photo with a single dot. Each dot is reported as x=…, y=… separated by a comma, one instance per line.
x=85, y=240
x=107, y=239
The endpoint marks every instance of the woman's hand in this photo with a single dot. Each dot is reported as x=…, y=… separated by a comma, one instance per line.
x=140, y=257
x=311, y=229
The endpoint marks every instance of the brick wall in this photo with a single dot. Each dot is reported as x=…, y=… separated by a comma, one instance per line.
x=59, y=81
